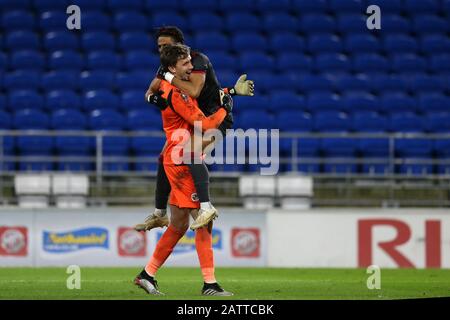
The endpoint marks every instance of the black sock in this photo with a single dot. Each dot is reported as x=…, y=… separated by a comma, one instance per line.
x=145, y=275
x=162, y=187
x=200, y=175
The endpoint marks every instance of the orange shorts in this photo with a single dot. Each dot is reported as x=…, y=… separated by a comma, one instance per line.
x=183, y=193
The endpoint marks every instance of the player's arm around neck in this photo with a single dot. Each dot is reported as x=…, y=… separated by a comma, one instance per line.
x=153, y=88
x=194, y=86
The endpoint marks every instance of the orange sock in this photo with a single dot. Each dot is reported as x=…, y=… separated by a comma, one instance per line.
x=203, y=244
x=163, y=249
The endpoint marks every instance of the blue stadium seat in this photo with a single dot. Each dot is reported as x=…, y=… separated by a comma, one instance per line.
x=68, y=119
x=146, y=146
x=119, y=5
x=130, y=21
x=306, y=148
x=205, y=21
x=332, y=62
x=293, y=61
x=358, y=43
x=339, y=148
x=136, y=40
x=66, y=60
x=346, y=6
x=141, y=60
x=306, y=6
x=133, y=99
x=238, y=21
x=206, y=5
x=31, y=119
x=440, y=63
x=250, y=61
x=320, y=43
x=15, y=4
x=100, y=99
x=25, y=99
x=438, y=122
x=446, y=6
x=98, y=40
x=42, y=5
x=27, y=59
x=64, y=79
x=169, y=18
x=210, y=41
x=258, y=102
x=144, y=119
x=408, y=62
x=382, y=83
x=95, y=21
x=331, y=121
x=222, y=61
x=406, y=122
x=421, y=6
x=104, y=60
x=2, y=102
x=435, y=43
x=71, y=145
x=62, y=99
x=3, y=61
x=22, y=79
x=19, y=40
x=286, y=42
x=249, y=42
x=280, y=22
x=53, y=20
x=317, y=23
x=389, y=6
x=412, y=150
x=255, y=120
x=311, y=83
x=158, y=5
x=90, y=4
x=359, y=101
x=428, y=23
x=397, y=102
x=375, y=153
x=61, y=40
x=17, y=20
x=397, y=43
x=5, y=120
x=107, y=120
x=133, y=80
x=368, y=121
x=7, y=143
x=358, y=82
x=370, y=62
x=433, y=102
x=270, y=6
x=352, y=23
x=99, y=79
x=294, y=120
x=441, y=148
x=265, y=81
x=286, y=101
x=425, y=83
x=394, y=23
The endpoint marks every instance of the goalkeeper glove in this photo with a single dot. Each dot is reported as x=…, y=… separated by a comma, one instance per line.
x=226, y=101
x=243, y=87
x=157, y=100
x=165, y=75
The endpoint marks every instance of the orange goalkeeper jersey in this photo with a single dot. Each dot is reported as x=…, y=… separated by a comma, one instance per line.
x=181, y=113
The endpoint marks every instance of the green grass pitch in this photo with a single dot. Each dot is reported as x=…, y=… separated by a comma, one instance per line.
x=246, y=283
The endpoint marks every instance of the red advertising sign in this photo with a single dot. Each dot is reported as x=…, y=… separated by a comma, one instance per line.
x=131, y=243
x=13, y=241
x=245, y=242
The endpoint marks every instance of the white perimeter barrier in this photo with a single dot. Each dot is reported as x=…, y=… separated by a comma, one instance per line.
x=417, y=238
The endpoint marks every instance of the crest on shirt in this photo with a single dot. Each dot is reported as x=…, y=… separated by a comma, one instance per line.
x=184, y=97
x=194, y=197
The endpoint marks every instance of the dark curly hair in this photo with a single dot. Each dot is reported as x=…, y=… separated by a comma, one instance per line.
x=170, y=31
